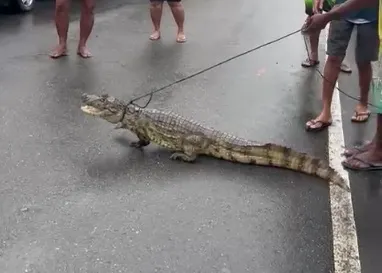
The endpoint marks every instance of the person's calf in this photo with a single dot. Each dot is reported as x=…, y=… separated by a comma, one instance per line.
x=179, y=17
x=62, y=26
x=331, y=71
x=362, y=113
x=156, y=16
x=86, y=27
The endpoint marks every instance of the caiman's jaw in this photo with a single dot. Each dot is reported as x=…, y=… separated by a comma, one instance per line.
x=90, y=110
x=105, y=107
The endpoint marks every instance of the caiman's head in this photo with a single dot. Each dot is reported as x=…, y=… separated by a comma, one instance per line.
x=104, y=106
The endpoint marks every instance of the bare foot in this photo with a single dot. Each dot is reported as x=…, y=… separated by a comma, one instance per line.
x=58, y=52
x=359, y=149
x=181, y=37
x=155, y=35
x=84, y=52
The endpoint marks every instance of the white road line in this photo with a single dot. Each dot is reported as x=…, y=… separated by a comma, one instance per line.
x=345, y=242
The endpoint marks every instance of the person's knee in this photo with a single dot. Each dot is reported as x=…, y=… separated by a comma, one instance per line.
x=156, y=5
x=175, y=5
x=88, y=6
x=62, y=6
x=335, y=60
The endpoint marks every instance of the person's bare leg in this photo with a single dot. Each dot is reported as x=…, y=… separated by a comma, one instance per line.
x=156, y=8
x=372, y=157
x=177, y=10
x=312, y=59
x=331, y=72
x=86, y=27
x=61, y=18
x=362, y=112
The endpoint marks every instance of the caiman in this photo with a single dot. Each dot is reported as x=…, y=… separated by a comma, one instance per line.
x=188, y=139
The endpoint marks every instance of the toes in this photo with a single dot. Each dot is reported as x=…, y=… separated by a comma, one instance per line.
x=155, y=36
x=57, y=54
x=84, y=53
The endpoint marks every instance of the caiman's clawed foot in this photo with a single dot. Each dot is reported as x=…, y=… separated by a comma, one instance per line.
x=139, y=144
x=184, y=157
x=119, y=126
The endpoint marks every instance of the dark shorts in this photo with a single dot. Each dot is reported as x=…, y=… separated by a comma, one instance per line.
x=367, y=44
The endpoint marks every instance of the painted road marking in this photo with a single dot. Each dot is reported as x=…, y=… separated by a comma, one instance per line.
x=345, y=242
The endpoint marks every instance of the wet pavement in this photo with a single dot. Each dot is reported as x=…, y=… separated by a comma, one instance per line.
x=75, y=198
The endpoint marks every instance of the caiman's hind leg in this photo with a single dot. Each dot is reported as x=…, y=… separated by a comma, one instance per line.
x=186, y=156
x=192, y=146
x=142, y=142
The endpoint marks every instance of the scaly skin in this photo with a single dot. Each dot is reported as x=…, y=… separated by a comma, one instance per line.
x=189, y=139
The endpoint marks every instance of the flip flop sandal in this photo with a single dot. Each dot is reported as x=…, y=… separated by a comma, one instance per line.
x=368, y=165
x=355, y=150
x=346, y=69
x=310, y=63
x=322, y=125
x=356, y=115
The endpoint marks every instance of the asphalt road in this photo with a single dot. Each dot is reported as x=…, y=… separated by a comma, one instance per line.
x=75, y=198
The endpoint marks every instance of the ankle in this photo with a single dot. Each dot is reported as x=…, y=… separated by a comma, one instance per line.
x=326, y=113
x=62, y=42
x=313, y=56
x=362, y=105
x=81, y=43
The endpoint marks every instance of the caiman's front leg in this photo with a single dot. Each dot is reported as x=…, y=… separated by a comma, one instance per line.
x=141, y=132
x=142, y=142
x=192, y=146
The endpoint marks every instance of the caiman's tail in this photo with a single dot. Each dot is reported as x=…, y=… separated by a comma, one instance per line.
x=284, y=157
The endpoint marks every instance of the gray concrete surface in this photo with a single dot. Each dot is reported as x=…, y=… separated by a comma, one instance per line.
x=75, y=198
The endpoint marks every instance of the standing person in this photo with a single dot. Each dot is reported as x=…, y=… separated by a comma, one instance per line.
x=368, y=156
x=315, y=7
x=367, y=47
x=156, y=7
x=62, y=26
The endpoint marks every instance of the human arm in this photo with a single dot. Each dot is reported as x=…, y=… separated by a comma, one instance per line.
x=349, y=6
x=317, y=6
x=319, y=21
